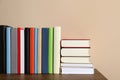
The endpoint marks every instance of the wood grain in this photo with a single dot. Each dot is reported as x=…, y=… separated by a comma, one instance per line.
x=96, y=76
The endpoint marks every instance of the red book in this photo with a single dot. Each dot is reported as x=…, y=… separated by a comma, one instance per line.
x=31, y=50
x=19, y=50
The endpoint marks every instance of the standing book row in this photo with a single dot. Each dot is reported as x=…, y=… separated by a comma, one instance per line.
x=75, y=57
x=29, y=50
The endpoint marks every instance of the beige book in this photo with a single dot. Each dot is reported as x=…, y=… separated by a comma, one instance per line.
x=39, y=50
x=57, y=38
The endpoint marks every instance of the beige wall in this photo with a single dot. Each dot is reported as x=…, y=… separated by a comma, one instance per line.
x=94, y=19
x=106, y=42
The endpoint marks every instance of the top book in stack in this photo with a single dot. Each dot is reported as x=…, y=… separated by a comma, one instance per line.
x=77, y=43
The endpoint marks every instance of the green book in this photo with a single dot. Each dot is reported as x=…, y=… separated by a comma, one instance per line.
x=50, y=50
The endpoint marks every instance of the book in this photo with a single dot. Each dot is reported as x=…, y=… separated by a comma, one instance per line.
x=75, y=52
x=8, y=50
x=36, y=50
x=27, y=50
x=57, y=38
x=75, y=43
x=31, y=50
x=77, y=65
x=39, y=51
x=19, y=50
x=75, y=59
x=14, y=50
x=3, y=49
x=50, y=50
x=77, y=70
x=44, y=50
x=22, y=57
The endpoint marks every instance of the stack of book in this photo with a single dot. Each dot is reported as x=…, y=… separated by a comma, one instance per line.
x=29, y=50
x=75, y=57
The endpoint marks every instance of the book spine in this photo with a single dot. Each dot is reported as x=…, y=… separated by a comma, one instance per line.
x=31, y=50
x=44, y=50
x=50, y=50
x=19, y=50
x=22, y=51
x=14, y=50
x=27, y=50
x=39, y=51
x=8, y=51
x=57, y=38
x=36, y=50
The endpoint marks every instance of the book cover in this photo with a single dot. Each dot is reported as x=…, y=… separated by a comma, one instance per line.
x=57, y=38
x=36, y=50
x=83, y=43
x=27, y=50
x=14, y=50
x=3, y=49
x=8, y=50
x=75, y=52
x=75, y=59
x=77, y=70
x=22, y=51
x=50, y=50
x=39, y=51
x=19, y=51
x=44, y=50
x=31, y=50
x=77, y=65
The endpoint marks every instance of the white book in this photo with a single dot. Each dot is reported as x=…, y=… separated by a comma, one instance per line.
x=75, y=59
x=71, y=70
x=75, y=51
x=75, y=43
x=22, y=51
x=57, y=38
x=87, y=65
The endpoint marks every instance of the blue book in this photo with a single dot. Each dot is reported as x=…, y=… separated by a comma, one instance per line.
x=44, y=50
x=8, y=50
x=36, y=50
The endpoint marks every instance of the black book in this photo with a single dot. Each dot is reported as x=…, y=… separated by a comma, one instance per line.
x=3, y=49
x=27, y=50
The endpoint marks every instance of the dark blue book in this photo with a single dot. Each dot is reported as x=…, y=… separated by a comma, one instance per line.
x=44, y=50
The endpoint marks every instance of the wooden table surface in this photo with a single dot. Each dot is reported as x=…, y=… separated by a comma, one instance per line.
x=96, y=76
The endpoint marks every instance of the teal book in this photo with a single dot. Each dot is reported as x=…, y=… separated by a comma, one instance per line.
x=50, y=50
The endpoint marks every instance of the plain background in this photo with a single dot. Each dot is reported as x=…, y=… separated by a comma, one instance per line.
x=98, y=20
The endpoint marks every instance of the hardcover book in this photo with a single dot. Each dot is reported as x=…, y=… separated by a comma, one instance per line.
x=44, y=50
x=75, y=43
x=36, y=50
x=8, y=50
x=57, y=38
x=14, y=50
x=50, y=50
x=27, y=50
x=31, y=50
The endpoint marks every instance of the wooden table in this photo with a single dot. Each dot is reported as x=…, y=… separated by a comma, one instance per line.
x=96, y=76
